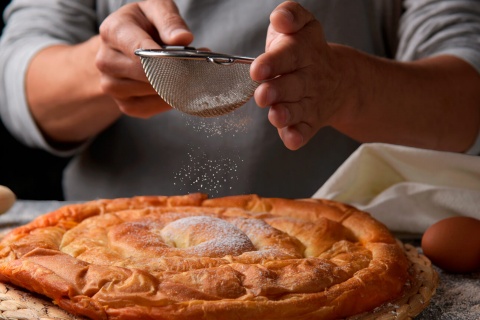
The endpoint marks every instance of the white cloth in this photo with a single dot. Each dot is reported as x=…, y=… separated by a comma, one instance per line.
x=407, y=189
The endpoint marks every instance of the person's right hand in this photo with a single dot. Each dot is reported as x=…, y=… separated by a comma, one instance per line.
x=142, y=25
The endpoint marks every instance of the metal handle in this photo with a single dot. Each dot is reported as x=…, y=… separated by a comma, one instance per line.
x=191, y=53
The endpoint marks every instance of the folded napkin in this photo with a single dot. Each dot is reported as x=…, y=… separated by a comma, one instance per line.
x=408, y=189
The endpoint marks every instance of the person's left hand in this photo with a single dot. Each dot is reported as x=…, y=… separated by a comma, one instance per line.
x=301, y=83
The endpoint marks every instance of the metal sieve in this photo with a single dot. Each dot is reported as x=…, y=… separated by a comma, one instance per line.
x=200, y=83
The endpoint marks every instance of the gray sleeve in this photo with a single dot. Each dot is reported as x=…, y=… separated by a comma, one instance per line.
x=436, y=27
x=31, y=26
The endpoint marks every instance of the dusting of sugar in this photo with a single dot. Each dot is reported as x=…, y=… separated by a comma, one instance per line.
x=209, y=236
x=457, y=297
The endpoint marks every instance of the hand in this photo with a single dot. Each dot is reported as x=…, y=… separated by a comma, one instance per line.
x=428, y=103
x=300, y=80
x=138, y=25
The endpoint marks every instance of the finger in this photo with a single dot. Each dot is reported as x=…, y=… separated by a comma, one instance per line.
x=290, y=17
x=284, y=57
x=295, y=137
x=166, y=18
x=284, y=52
x=116, y=64
x=141, y=25
x=126, y=30
x=290, y=87
x=143, y=107
x=288, y=114
x=122, y=88
x=279, y=116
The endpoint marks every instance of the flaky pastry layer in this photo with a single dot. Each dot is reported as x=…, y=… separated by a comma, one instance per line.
x=190, y=257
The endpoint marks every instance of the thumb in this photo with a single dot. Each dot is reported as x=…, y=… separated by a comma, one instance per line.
x=290, y=17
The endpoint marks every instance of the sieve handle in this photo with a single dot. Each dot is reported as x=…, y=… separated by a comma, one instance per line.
x=191, y=53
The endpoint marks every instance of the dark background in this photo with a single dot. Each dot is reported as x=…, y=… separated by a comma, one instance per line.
x=30, y=173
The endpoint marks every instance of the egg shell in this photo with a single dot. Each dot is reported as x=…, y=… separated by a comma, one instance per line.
x=453, y=244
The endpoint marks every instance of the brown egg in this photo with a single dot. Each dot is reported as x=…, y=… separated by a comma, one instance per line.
x=453, y=244
x=7, y=199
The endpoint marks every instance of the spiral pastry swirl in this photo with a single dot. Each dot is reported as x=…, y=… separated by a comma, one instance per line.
x=190, y=257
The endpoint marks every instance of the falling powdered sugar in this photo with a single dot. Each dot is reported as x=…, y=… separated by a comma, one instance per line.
x=232, y=123
x=210, y=171
x=208, y=174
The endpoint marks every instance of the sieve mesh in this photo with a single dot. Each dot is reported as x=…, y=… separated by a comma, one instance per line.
x=203, y=84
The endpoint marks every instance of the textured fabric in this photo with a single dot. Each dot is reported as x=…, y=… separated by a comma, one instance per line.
x=408, y=189
x=431, y=28
x=173, y=153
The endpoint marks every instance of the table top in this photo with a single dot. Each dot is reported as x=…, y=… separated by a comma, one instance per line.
x=457, y=296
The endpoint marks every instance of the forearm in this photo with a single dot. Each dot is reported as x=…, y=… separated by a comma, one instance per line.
x=64, y=94
x=430, y=103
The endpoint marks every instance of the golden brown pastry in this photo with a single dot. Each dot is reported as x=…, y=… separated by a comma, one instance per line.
x=189, y=257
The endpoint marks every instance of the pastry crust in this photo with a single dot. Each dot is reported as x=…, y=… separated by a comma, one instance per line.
x=190, y=257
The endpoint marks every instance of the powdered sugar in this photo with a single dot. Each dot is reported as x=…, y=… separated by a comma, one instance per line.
x=206, y=173
x=212, y=171
x=457, y=297
x=232, y=123
x=206, y=236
